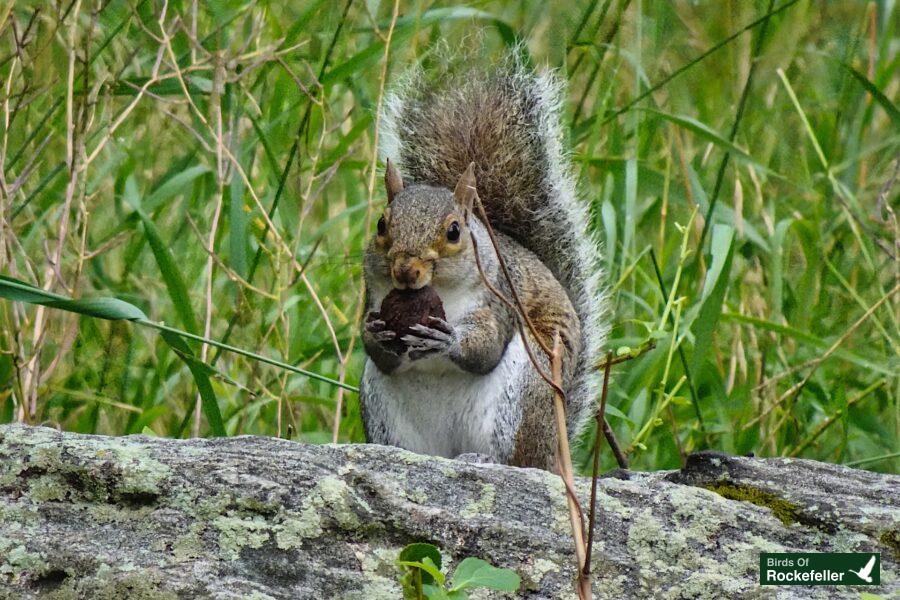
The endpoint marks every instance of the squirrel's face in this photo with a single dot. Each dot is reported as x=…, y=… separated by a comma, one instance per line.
x=422, y=234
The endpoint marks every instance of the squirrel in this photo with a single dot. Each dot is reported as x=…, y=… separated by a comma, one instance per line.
x=464, y=385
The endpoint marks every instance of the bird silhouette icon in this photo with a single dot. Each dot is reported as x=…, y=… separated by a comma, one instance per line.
x=865, y=572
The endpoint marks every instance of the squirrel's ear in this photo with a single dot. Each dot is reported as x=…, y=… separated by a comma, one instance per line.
x=392, y=181
x=465, y=188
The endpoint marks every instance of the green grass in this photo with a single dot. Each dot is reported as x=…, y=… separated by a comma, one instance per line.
x=738, y=158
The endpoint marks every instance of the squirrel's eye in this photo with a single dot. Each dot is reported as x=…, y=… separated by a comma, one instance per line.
x=453, y=232
x=382, y=226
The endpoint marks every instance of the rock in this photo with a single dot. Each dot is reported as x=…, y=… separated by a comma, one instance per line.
x=402, y=309
x=251, y=517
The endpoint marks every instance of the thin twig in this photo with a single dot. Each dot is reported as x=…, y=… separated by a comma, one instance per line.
x=609, y=360
x=512, y=288
x=601, y=420
x=512, y=307
x=621, y=457
x=564, y=464
x=563, y=456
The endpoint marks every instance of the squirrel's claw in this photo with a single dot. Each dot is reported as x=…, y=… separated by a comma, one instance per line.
x=416, y=343
x=428, y=341
x=376, y=325
x=376, y=328
x=383, y=336
x=431, y=333
x=440, y=325
x=421, y=347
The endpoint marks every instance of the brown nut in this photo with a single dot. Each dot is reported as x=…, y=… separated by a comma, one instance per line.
x=402, y=309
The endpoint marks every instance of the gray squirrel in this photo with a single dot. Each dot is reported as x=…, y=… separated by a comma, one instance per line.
x=463, y=384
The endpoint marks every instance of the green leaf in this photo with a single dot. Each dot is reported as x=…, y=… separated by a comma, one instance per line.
x=168, y=87
x=6, y=403
x=459, y=13
x=721, y=249
x=475, y=572
x=336, y=153
x=111, y=309
x=879, y=96
x=415, y=554
x=6, y=368
x=301, y=24
x=714, y=287
x=630, y=212
x=779, y=250
x=704, y=131
x=172, y=186
x=114, y=309
x=813, y=340
x=239, y=218
x=608, y=215
x=198, y=369
x=149, y=432
x=168, y=267
x=427, y=567
x=612, y=411
x=418, y=551
x=149, y=415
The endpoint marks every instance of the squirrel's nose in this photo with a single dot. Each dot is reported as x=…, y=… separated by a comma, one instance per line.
x=411, y=273
x=407, y=275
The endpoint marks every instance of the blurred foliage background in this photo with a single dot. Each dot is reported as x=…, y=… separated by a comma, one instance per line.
x=213, y=163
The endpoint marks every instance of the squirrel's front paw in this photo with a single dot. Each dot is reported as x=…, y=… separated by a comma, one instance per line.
x=377, y=329
x=440, y=338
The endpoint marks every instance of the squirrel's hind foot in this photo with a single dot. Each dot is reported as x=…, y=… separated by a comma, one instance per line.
x=476, y=458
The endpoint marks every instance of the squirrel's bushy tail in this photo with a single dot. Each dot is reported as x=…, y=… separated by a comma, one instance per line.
x=507, y=121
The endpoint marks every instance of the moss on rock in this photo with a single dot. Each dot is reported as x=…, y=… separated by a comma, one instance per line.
x=785, y=511
x=891, y=539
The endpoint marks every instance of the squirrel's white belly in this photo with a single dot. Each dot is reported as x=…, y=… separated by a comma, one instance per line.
x=441, y=410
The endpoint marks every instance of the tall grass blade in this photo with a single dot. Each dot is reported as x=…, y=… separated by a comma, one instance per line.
x=199, y=371
x=168, y=268
x=889, y=107
x=713, y=296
